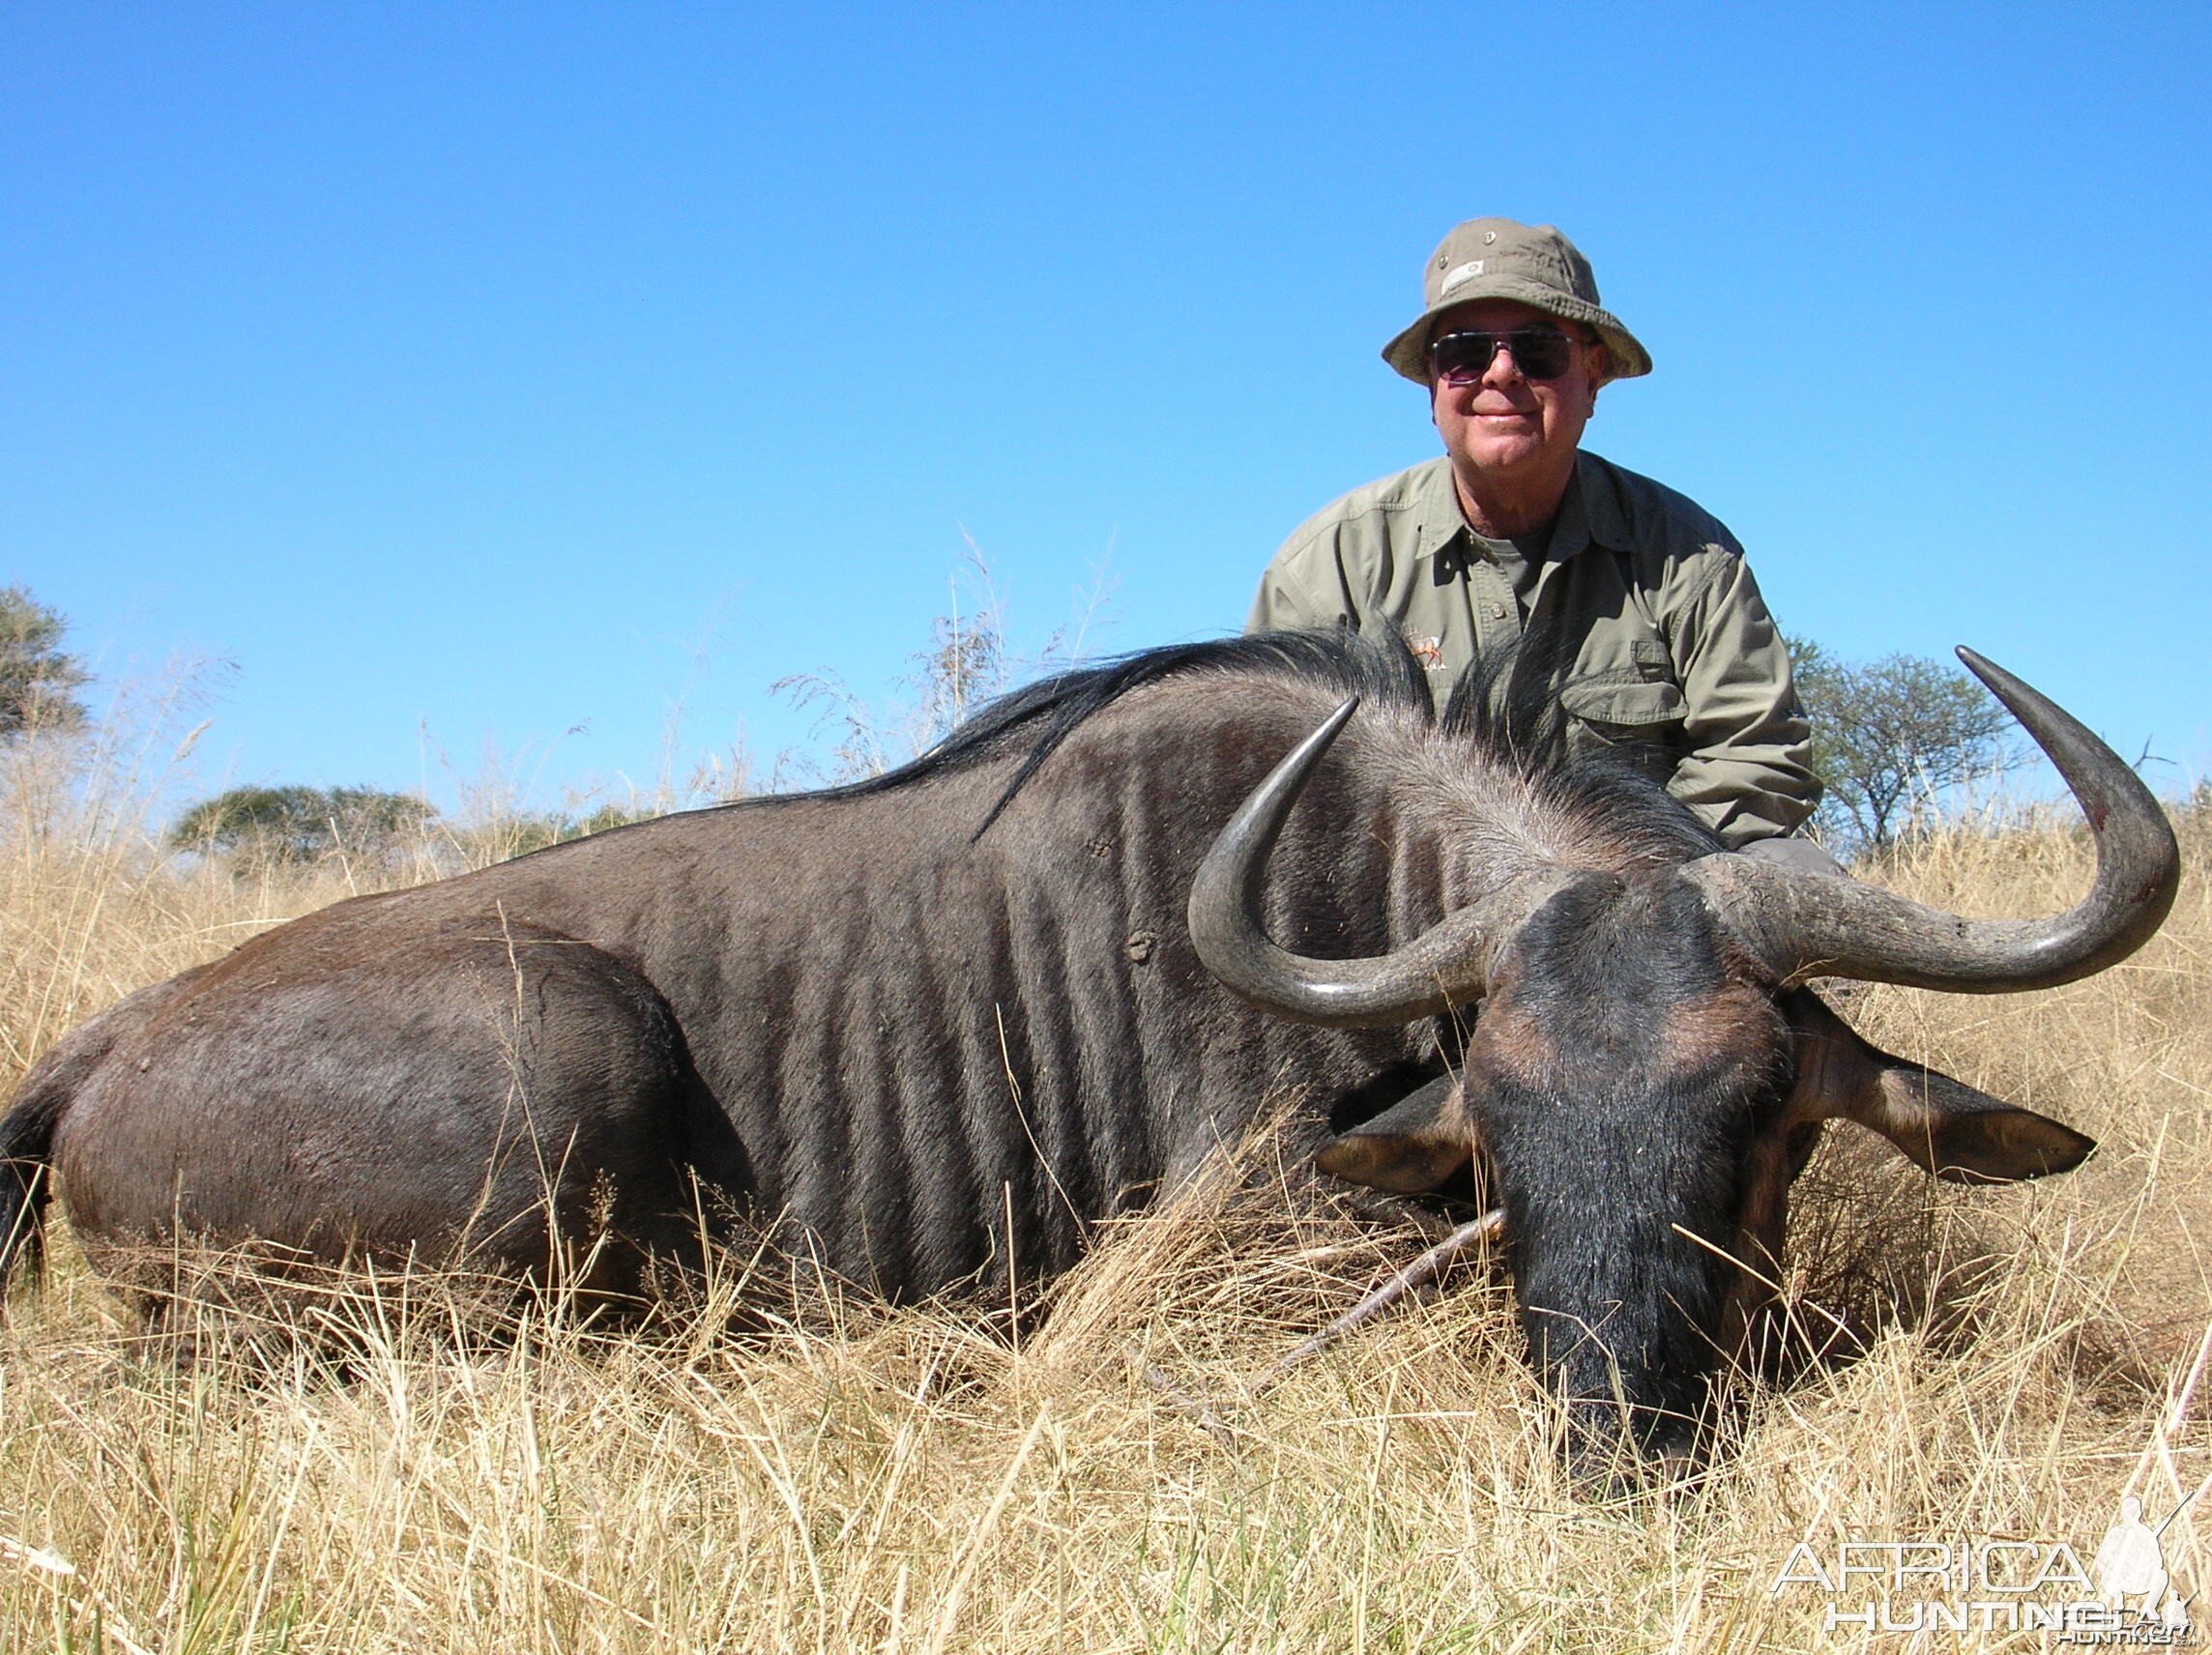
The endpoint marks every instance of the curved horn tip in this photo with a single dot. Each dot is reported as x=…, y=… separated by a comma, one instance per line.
x=1854, y=931
x=1998, y=683
x=2021, y=699
x=2024, y=701
x=1983, y=668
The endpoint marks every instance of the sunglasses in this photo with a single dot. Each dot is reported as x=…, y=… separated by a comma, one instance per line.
x=1538, y=352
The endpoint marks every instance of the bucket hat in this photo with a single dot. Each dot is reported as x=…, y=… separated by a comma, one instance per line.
x=1501, y=258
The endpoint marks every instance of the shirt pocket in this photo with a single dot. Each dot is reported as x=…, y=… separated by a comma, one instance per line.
x=1616, y=710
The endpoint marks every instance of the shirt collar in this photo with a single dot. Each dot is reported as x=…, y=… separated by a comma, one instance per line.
x=1436, y=512
x=1589, y=514
x=1602, y=522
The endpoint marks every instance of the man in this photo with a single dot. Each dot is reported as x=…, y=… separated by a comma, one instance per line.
x=1657, y=639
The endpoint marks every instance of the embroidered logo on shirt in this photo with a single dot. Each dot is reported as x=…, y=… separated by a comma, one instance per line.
x=1429, y=652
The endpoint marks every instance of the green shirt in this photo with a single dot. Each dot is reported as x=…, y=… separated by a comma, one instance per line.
x=1666, y=644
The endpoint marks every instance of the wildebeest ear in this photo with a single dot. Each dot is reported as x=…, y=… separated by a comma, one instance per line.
x=1940, y=1124
x=1411, y=1147
x=1968, y=1136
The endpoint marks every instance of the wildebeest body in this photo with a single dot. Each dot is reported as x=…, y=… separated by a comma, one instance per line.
x=932, y=1027
x=847, y=1012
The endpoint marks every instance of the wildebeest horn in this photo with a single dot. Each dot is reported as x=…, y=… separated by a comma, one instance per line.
x=1800, y=925
x=1445, y=966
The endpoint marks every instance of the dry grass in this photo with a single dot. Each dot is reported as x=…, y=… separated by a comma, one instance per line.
x=910, y=1481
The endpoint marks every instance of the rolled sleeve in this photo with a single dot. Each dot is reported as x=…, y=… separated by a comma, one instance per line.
x=1746, y=773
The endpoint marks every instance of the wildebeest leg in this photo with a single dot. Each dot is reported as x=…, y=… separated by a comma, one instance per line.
x=494, y=1094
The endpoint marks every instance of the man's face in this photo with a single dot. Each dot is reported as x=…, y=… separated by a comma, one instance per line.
x=1506, y=425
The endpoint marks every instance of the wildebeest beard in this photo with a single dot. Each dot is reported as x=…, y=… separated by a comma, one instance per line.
x=1617, y=1088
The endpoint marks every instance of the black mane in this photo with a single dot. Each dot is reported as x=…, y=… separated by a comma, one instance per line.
x=1501, y=708
x=1045, y=713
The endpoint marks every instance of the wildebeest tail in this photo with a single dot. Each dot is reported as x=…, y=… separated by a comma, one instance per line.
x=27, y=1130
x=26, y=1142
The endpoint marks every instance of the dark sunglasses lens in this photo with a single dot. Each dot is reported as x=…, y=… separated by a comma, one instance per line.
x=1541, y=353
x=1461, y=359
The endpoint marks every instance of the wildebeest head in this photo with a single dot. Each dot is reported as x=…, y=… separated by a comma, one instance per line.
x=1647, y=1073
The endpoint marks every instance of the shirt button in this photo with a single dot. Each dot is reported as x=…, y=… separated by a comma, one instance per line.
x=1498, y=610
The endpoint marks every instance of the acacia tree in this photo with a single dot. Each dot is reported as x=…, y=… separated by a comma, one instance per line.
x=260, y=826
x=1890, y=733
x=39, y=679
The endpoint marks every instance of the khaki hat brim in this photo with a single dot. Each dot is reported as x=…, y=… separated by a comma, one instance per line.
x=1408, y=352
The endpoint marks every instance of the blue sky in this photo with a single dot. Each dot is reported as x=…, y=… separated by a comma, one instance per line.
x=537, y=375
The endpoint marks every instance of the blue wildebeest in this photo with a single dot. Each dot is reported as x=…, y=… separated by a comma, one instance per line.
x=950, y=1017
